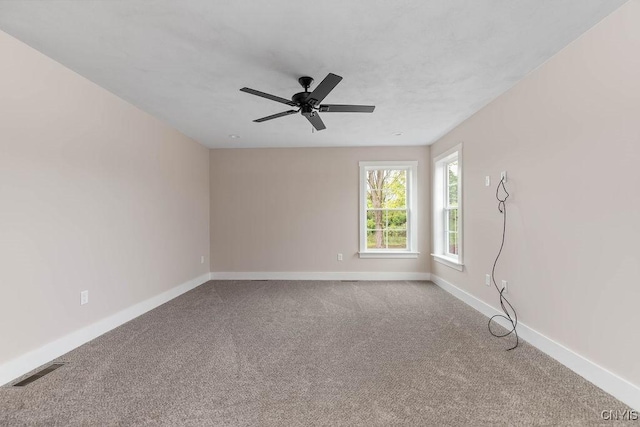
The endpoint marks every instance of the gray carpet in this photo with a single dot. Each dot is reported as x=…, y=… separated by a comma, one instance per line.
x=284, y=353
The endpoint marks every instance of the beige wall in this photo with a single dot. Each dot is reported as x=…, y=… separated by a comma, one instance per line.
x=569, y=138
x=95, y=195
x=294, y=209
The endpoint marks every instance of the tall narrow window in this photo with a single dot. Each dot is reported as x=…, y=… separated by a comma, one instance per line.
x=451, y=209
x=447, y=205
x=388, y=209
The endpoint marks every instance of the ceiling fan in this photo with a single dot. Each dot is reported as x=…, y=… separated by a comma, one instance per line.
x=309, y=102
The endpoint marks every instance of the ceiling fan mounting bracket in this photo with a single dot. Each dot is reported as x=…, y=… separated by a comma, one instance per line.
x=305, y=82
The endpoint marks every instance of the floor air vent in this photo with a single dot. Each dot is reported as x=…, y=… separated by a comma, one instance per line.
x=38, y=375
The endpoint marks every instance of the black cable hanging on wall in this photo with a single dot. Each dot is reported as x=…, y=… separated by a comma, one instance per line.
x=509, y=312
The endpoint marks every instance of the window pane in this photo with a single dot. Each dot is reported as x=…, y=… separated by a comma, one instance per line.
x=453, y=195
x=375, y=179
x=375, y=188
x=397, y=220
x=397, y=239
x=395, y=189
x=452, y=220
x=376, y=220
x=370, y=219
x=375, y=199
x=452, y=171
x=393, y=200
x=386, y=188
x=452, y=183
x=452, y=243
x=376, y=239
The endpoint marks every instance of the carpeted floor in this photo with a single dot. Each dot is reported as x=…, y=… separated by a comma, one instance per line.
x=285, y=353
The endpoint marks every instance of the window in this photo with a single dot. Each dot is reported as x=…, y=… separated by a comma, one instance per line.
x=388, y=214
x=447, y=205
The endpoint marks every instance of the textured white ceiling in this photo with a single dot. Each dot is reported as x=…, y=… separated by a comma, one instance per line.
x=427, y=65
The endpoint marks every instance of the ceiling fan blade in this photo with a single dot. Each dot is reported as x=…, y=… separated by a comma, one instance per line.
x=315, y=120
x=336, y=108
x=268, y=96
x=323, y=89
x=275, y=116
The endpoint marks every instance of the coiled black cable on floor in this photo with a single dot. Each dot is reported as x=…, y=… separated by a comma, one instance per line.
x=509, y=312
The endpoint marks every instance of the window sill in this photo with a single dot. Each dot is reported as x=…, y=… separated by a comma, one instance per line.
x=389, y=254
x=448, y=262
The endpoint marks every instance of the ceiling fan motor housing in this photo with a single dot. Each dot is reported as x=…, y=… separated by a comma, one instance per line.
x=300, y=98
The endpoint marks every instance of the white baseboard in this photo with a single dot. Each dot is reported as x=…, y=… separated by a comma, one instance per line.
x=304, y=275
x=618, y=387
x=33, y=359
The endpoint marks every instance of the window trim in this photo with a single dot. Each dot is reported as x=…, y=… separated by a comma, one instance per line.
x=439, y=196
x=411, y=166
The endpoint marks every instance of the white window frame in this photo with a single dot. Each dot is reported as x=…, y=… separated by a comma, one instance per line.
x=440, y=195
x=412, y=209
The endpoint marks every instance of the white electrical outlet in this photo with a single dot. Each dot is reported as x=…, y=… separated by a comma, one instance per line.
x=505, y=287
x=84, y=297
x=487, y=279
x=487, y=181
x=503, y=176
x=339, y=257
x=202, y=259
